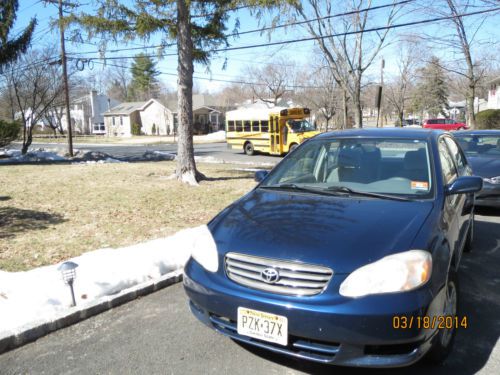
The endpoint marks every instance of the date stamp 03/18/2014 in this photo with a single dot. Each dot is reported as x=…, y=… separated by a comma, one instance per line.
x=429, y=322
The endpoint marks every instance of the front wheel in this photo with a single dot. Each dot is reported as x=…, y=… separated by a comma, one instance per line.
x=249, y=150
x=443, y=341
x=293, y=146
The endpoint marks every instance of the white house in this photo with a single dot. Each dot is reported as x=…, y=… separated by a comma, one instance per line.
x=87, y=113
x=152, y=116
x=494, y=94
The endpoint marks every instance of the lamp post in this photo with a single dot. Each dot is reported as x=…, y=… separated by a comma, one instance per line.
x=68, y=272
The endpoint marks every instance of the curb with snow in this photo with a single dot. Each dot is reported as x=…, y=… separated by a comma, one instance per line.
x=37, y=302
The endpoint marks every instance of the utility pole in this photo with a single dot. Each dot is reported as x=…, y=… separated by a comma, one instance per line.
x=65, y=78
x=379, y=91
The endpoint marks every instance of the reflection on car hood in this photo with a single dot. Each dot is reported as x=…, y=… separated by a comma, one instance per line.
x=339, y=232
x=485, y=166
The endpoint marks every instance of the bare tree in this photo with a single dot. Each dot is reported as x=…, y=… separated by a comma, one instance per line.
x=273, y=80
x=398, y=89
x=348, y=56
x=35, y=85
x=322, y=94
x=463, y=40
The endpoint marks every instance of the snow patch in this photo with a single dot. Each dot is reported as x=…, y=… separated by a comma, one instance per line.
x=216, y=136
x=27, y=297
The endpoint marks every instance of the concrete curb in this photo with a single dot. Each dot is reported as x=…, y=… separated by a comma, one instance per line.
x=33, y=331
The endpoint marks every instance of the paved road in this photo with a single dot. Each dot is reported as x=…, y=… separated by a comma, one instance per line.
x=157, y=334
x=217, y=150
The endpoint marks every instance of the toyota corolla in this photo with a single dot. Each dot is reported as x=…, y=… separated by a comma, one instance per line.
x=346, y=253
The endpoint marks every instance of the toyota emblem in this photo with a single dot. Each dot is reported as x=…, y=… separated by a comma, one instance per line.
x=270, y=275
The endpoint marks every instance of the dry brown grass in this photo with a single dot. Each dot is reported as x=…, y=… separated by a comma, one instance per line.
x=53, y=212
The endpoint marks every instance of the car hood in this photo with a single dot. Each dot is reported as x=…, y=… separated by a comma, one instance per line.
x=485, y=166
x=339, y=232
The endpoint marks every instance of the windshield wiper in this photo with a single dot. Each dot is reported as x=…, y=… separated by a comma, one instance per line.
x=349, y=191
x=307, y=189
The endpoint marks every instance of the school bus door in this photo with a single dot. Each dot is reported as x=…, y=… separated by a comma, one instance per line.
x=274, y=136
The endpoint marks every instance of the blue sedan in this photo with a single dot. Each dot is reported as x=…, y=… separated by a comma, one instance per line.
x=346, y=253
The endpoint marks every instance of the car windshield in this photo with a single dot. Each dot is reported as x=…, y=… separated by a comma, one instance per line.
x=354, y=166
x=480, y=145
x=300, y=126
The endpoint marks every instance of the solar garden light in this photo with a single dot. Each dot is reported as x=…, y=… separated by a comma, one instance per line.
x=68, y=272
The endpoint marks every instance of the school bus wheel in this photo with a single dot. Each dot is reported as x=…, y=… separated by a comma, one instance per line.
x=292, y=147
x=248, y=147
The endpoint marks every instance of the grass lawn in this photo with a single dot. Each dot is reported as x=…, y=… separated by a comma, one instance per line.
x=142, y=139
x=53, y=212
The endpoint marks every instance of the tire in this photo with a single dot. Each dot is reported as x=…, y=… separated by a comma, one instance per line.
x=293, y=146
x=248, y=148
x=444, y=339
x=470, y=237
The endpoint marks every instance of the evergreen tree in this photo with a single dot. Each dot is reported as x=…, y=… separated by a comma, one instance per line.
x=10, y=49
x=431, y=94
x=197, y=28
x=144, y=83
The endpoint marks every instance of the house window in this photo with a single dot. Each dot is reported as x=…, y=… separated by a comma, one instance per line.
x=113, y=118
x=121, y=120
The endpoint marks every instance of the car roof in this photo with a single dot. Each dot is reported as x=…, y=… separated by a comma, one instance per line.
x=468, y=133
x=409, y=133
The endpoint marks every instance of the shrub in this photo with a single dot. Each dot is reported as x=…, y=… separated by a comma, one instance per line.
x=9, y=132
x=489, y=119
x=136, y=128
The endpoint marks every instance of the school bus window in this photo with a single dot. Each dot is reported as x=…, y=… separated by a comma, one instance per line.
x=239, y=126
x=230, y=126
x=264, y=126
x=246, y=127
x=255, y=126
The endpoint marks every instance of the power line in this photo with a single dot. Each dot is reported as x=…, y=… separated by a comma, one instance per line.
x=236, y=34
x=307, y=39
x=220, y=80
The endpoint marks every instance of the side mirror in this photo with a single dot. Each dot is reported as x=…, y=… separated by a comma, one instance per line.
x=260, y=175
x=465, y=184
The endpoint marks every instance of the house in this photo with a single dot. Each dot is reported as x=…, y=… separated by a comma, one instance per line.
x=152, y=116
x=87, y=113
x=494, y=94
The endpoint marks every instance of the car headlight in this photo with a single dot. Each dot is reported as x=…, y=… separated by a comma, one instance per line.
x=394, y=273
x=492, y=180
x=204, y=250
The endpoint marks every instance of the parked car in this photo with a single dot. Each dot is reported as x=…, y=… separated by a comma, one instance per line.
x=444, y=124
x=342, y=249
x=482, y=149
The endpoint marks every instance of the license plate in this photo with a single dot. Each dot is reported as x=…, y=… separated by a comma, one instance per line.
x=263, y=326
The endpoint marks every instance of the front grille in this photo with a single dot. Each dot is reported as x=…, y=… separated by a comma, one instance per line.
x=295, y=279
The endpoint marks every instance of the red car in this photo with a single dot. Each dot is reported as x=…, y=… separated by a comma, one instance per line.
x=444, y=124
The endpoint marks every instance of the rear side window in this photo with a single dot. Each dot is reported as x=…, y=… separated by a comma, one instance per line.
x=457, y=156
x=230, y=126
x=255, y=126
x=447, y=165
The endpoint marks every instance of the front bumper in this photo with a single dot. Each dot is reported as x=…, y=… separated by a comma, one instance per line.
x=347, y=332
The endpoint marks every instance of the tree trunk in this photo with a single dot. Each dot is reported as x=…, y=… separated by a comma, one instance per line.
x=345, y=110
x=401, y=118
x=186, y=166
x=356, y=102
x=471, y=116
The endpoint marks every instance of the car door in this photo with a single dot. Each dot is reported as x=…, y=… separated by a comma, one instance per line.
x=463, y=169
x=452, y=203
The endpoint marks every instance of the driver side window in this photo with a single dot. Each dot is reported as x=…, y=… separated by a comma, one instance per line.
x=447, y=165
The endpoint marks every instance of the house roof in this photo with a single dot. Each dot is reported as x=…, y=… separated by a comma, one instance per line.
x=130, y=107
x=495, y=80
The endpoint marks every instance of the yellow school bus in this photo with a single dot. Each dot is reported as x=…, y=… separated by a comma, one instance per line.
x=274, y=131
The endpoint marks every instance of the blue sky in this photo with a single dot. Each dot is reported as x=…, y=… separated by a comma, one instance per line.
x=301, y=53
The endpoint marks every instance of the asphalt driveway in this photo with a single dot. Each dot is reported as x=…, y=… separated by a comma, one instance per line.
x=158, y=334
